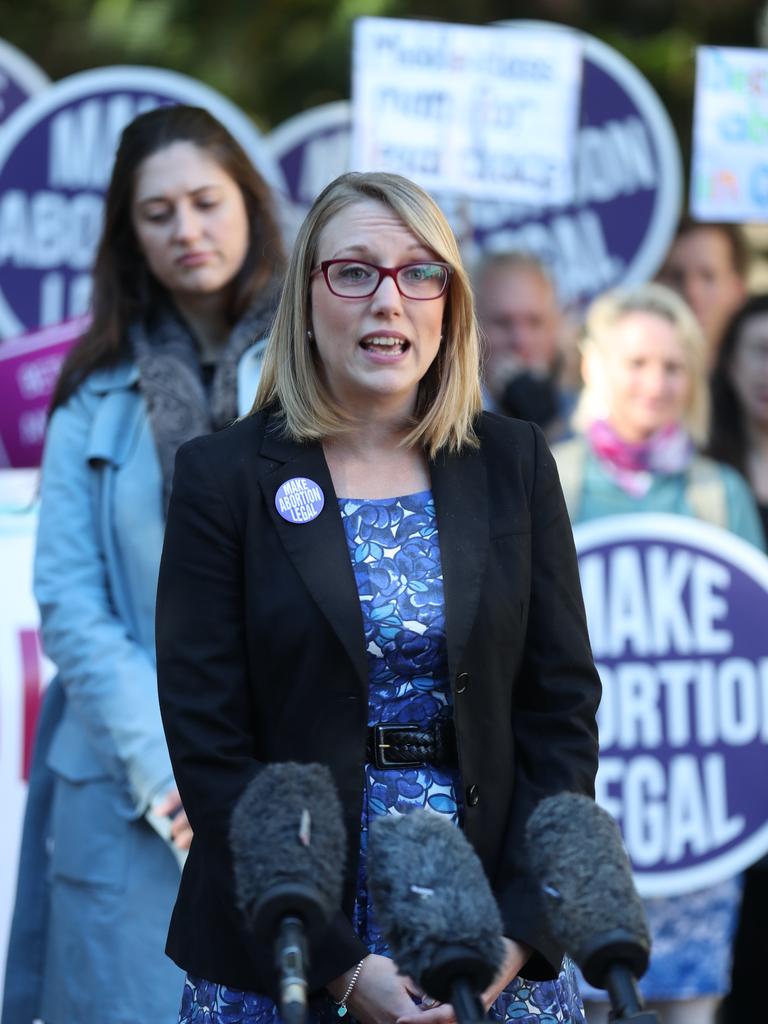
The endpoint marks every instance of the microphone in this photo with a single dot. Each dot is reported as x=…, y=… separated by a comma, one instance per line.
x=592, y=908
x=288, y=847
x=435, y=908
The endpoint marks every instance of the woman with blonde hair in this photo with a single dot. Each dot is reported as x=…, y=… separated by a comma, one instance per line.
x=642, y=415
x=411, y=595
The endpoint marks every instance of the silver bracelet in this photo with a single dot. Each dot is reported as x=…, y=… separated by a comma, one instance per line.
x=341, y=1006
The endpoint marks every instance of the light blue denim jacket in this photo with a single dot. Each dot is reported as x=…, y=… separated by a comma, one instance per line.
x=99, y=541
x=100, y=537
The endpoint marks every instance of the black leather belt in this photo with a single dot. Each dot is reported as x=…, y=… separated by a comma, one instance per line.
x=397, y=745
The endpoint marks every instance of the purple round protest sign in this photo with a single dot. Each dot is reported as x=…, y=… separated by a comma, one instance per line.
x=628, y=181
x=677, y=613
x=312, y=149
x=20, y=78
x=56, y=155
x=299, y=500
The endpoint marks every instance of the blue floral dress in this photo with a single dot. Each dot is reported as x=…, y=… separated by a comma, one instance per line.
x=395, y=552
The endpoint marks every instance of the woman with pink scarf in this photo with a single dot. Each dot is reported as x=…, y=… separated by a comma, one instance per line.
x=641, y=419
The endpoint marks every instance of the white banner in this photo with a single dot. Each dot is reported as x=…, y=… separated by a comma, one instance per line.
x=486, y=112
x=729, y=176
x=22, y=673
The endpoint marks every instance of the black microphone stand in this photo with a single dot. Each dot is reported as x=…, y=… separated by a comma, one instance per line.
x=613, y=960
x=290, y=914
x=291, y=959
x=626, y=1002
x=458, y=975
x=466, y=1003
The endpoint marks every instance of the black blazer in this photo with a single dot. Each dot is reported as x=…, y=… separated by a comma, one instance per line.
x=261, y=658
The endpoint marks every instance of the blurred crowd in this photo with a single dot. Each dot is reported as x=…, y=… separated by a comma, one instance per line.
x=657, y=401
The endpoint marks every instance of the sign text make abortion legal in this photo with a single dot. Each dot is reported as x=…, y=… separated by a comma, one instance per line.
x=677, y=613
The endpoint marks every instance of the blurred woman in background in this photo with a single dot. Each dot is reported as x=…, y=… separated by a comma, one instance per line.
x=185, y=281
x=739, y=433
x=740, y=438
x=643, y=413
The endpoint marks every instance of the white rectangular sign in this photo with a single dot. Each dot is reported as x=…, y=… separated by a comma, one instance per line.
x=729, y=167
x=23, y=673
x=486, y=112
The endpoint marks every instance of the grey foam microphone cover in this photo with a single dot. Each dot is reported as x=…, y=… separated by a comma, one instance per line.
x=430, y=892
x=575, y=850
x=287, y=836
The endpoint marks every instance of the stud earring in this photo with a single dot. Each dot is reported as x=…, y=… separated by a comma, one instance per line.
x=310, y=335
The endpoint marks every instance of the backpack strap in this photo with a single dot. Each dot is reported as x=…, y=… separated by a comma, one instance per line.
x=705, y=491
x=570, y=457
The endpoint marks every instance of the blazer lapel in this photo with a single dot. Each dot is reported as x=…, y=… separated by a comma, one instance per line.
x=460, y=489
x=318, y=548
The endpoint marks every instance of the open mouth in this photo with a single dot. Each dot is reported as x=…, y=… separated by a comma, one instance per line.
x=385, y=345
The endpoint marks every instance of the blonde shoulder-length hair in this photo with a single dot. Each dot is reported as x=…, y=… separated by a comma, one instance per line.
x=603, y=315
x=449, y=396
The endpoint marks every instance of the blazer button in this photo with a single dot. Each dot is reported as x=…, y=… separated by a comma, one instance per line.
x=462, y=679
x=473, y=796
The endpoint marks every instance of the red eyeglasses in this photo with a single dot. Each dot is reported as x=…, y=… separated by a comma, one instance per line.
x=355, y=279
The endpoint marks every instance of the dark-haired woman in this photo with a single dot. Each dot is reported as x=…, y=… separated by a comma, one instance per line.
x=740, y=437
x=185, y=283
x=739, y=433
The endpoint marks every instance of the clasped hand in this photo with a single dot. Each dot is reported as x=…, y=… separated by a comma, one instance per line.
x=170, y=806
x=382, y=996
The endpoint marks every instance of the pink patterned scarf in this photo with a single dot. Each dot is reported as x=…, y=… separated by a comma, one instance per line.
x=634, y=465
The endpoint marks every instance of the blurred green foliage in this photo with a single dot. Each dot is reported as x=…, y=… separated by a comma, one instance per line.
x=276, y=58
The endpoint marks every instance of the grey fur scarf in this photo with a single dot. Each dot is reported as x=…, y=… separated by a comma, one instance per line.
x=171, y=380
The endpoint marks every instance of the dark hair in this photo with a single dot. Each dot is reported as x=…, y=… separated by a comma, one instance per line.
x=729, y=441
x=732, y=233
x=123, y=287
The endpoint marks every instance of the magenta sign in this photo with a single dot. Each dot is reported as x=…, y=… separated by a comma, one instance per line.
x=29, y=369
x=677, y=613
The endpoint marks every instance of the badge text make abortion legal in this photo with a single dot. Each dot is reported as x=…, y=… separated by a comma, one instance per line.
x=681, y=701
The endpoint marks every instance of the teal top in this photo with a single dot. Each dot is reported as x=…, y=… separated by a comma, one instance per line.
x=602, y=496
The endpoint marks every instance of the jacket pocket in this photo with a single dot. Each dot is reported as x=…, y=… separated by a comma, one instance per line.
x=511, y=518
x=90, y=838
x=90, y=831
